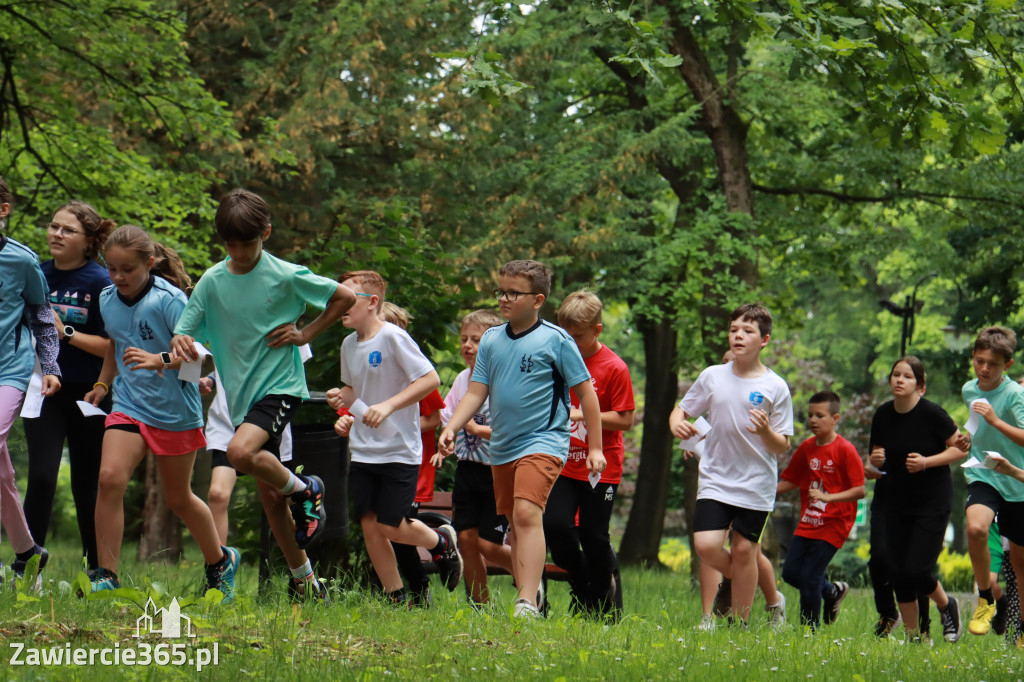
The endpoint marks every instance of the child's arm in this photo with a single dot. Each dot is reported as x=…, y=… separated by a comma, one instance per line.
x=1003, y=466
x=478, y=430
x=592, y=419
x=429, y=422
x=288, y=333
x=136, y=358
x=1014, y=433
x=470, y=404
x=679, y=425
x=41, y=320
x=776, y=443
x=610, y=420
x=410, y=395
x=102, y=386
x=784, y=486
x=849, y=495
x=917, y=463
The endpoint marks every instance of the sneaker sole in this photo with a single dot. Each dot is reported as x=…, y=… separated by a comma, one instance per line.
x=323, y=515
x=452, y=537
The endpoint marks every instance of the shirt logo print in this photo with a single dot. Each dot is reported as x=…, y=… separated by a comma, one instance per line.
x=756, y=398
x=145, y=331
x=376, y=358
x=526, y=364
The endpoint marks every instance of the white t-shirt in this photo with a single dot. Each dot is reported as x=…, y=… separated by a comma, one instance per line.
x=378, y=369
x=736, y=468
x=467, y=447
x=219, y=429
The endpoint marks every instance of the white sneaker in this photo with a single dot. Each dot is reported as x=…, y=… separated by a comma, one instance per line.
x=707, y=623
x=524, y=609
x=777, y=613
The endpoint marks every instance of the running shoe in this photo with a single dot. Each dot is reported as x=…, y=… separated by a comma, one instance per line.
x=20, y=565
x=524, y=609
x=102, y=579
x=221, y=575
x=885, y=626
x=832, y=606
x=723, y=599
x=999, y=620
x=777, y=613
x=981, y=621
x=300, y=589
x=449, y=561
x=952, y=629
x=308, y=511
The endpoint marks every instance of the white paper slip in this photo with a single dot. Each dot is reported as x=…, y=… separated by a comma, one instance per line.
x=358, y=410
x=703, y=429
x=33, y=404
x=594, y=477
x=992, y=459
x=305, y=352
x=191, y=370
x=972, y=463
x=89, y=410
x=700, y=448
x=974, y=420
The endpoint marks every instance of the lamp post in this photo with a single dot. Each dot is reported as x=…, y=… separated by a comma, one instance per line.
x=907, y=312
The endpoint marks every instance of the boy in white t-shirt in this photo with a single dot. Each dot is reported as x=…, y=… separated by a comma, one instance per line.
x=385, y=376
x=751, y=416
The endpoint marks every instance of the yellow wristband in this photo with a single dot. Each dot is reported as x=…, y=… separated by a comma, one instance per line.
x=100, y=383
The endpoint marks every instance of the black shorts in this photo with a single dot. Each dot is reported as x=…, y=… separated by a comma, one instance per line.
x=386, y=489
x=272, y=413
x=219, y=458
x=1009, y=515
x=715, y=515
x=473, y=504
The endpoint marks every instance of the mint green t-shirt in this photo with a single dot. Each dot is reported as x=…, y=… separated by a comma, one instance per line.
x=1007, y=399
x=232, y=315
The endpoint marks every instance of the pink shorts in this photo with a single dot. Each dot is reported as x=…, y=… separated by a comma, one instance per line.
x=161, y=442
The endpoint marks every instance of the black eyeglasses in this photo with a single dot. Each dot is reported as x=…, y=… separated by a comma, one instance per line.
x=511, y=295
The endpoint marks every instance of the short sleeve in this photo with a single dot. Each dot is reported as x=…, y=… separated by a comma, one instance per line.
x=620, y=389
x=854, y=465
x=797, y=471
x=173, y=308
x=431, y=404
x=192, y=321
x=781, y=420
x=346, y=371
x=313, y=289
x=35, y=291
x=455, y=393
x=944, y=424
x=697, y=400
x=409, y=356
x=570, y=362
x=483, y=353
x=1017, y=408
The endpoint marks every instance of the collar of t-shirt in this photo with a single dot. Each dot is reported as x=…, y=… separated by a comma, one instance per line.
x=512, y=335
x=138, y=297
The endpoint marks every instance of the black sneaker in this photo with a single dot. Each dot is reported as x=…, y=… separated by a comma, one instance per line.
x=885, y=626
x=950, y=617
x=449, y=561
x=397, y=598
x=421, y=598
x=999, y=620
x=300, y=590
x=831, y=610
x=723, y=599
x=20, y=565
x=308, y=511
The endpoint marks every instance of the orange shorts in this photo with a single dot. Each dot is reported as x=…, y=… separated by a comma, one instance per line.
x=160, y=441
x=529, y=478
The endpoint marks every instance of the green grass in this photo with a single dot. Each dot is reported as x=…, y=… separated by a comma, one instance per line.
x=360, y=638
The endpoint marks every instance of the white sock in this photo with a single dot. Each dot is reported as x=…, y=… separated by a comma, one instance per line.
x=303, y=572
x=294, y=485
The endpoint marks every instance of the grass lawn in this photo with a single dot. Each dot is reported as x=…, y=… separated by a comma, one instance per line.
x=359, y=638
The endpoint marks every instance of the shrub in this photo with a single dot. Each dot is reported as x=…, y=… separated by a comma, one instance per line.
x=675, y=553
x=955, y=571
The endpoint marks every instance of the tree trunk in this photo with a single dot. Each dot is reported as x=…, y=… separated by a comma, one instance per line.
x=642, y=537
x=161, y=529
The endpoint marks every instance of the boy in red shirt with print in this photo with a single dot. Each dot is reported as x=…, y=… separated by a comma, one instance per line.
x=830, y=475
x=585, y=550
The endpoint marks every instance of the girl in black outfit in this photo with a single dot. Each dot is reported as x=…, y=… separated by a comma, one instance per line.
x=75, y=280
x=913, y=441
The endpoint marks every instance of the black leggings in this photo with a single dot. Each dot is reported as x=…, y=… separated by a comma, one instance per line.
x=585, y=552
x=61, y=419
x=881, y=571
x=914, y=545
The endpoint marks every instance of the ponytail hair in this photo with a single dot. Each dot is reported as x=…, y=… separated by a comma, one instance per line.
x=96, y=228
x=167, y=263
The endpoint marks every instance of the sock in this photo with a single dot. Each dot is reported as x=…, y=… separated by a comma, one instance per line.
x=303, y=572
x=441, y=546
x=986, y=595
x=294, y=485
x=223, y=557
x=26, y=555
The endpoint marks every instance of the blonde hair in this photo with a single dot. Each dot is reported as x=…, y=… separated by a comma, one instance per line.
x=370, y=281
x=396, y=315
x=582, y=308
x=484, y=317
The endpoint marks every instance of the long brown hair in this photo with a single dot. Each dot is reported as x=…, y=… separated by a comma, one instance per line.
x=97, y=229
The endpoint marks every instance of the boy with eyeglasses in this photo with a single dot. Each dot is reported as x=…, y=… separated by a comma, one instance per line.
x=525, y=368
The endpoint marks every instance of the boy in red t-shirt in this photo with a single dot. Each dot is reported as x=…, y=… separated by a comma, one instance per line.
x=585, y=551
x=830, y=475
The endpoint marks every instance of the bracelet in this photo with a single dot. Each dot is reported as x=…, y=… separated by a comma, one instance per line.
x=100, y=383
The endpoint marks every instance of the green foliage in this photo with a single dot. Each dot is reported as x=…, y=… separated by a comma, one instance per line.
x=955, y=571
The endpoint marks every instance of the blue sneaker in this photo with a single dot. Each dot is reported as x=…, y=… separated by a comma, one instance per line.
x=308, y=511
x=221, y=575
x=102, y=579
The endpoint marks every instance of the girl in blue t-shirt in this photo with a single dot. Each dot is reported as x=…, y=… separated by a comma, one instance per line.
x=74, y=281
x=152, y=411
x=22, y=307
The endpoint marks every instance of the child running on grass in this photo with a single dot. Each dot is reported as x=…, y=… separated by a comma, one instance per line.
x=830, y=475
x=152, y=410
x=246, y=308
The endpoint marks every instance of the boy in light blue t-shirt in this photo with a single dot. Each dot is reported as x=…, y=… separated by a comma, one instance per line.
x=246, y=308
x=525, y=369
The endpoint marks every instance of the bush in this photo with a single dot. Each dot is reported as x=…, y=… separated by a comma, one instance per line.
x=956, y=572
x=849, y=566
x=675, y=553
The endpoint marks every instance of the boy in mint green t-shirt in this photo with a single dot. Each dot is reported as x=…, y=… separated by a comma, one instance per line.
x=997, y=406
x=246, y=308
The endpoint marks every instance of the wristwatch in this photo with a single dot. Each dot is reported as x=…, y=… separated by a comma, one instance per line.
x=69, y=331
x=166, y=358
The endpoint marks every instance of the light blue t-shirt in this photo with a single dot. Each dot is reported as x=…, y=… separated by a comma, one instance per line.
x=234, y=314
x=528, y=377
x=146, y=322
x=1007, y=399
x=21, y=282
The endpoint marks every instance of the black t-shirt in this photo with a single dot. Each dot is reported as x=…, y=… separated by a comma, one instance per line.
x=924, y=430
x=75, y=296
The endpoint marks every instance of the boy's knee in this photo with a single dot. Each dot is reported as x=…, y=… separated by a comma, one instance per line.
x=527, y=514
x=219, y=497
x=240, y=456
x=977, y=530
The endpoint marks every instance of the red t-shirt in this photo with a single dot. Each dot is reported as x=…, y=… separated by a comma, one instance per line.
x=832, y=468
x=614, y=388
x=425, y=483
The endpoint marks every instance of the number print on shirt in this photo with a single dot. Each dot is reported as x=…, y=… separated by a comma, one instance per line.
x=145, y=331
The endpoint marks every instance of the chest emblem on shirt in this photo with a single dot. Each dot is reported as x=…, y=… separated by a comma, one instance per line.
x=145, y=331
x=815, y=464
x=376, y=358
x=526, y=363
x=756, y=398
